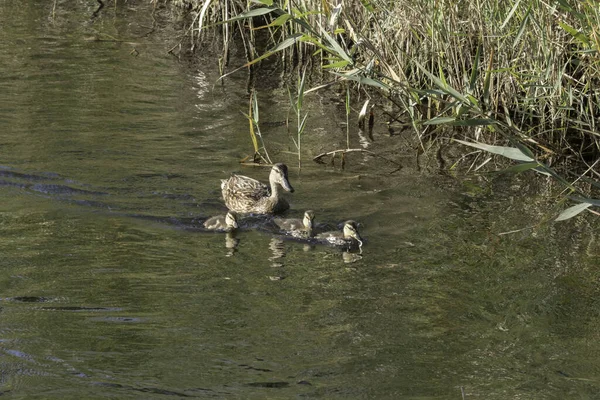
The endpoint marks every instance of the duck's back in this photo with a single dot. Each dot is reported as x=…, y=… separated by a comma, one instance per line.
x=246, y=185
x=241, y=193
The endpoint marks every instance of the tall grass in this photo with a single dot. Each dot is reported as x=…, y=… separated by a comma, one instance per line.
x=296, y=103
x=519, y=74
x=253, y=117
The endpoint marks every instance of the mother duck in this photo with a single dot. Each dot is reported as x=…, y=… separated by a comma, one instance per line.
x=246, y=195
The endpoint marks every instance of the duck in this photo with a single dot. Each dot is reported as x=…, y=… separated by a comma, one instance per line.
x=349, y=237
x=222, y=223
x=243, y=194
x=295, y=226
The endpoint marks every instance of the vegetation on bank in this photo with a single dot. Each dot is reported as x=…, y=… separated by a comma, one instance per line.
x=517, y=78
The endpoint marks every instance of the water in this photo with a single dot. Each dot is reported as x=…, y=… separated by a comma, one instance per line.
x=110, y=160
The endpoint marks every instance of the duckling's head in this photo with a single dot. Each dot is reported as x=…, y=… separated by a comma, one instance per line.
x=309, y=216
x=231, y=220
x=279, y=174
x=351, y=231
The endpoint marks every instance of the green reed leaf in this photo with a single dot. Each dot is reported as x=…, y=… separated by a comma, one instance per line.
x=338, y=64
x=335, y=47
x=575, y=33
x=509, y=152
x=510, y=14
x=252, y=13
x=439, y=120
x=572, y=211
x=522, y=167
x=473, y=122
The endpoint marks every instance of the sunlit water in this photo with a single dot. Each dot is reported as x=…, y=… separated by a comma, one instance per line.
x=111, y=156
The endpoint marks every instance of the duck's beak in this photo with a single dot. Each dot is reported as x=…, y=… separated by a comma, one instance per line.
x=281, y=173
x=285, y=184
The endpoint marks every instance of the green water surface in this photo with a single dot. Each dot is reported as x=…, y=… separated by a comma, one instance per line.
x=111, y=155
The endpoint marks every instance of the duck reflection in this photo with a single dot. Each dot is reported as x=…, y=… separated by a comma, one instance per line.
x=231, y=243
x=350, y=258
x=277, y=248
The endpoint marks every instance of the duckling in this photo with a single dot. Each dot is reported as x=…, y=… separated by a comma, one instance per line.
x=295, y=226
x=348, y=238
x=222, y=223
x=246, y=195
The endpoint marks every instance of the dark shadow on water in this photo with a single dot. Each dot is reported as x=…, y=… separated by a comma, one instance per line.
x=152, y=390
x=28, y=299
x=269, y=385
x=82, y=309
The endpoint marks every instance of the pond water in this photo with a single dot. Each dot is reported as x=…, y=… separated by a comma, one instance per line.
x=112, y=151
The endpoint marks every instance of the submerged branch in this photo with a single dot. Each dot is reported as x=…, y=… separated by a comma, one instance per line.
x=333, y=153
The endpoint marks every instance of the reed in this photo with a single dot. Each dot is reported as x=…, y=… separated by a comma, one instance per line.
x=505, y=75
x=260, y=153
x=296, y=102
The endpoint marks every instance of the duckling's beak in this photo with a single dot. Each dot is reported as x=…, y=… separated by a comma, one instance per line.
x=232, y=221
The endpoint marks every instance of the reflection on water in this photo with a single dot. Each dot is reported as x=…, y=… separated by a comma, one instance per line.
x=231, y=243
x=277, y=247
x=111, y=287
x=350, y=258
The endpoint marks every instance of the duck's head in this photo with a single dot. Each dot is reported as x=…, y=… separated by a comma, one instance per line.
x=231, y=220
x=351, y=231
x=279, y=174
x=309, y=216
